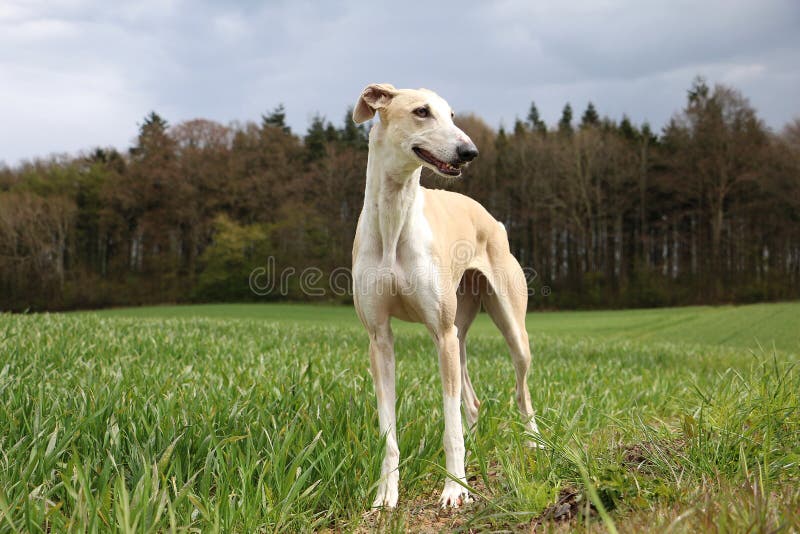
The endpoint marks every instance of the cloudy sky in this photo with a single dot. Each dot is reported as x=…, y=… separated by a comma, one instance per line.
x=75, y=74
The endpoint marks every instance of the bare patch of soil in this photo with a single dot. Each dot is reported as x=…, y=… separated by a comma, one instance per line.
x=571, y=504
x=641, y=456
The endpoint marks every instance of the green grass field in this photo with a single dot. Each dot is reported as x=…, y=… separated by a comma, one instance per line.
x=756, y=326
x=261, y=418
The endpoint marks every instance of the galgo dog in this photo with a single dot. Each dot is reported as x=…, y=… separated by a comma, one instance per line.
x=432, y=257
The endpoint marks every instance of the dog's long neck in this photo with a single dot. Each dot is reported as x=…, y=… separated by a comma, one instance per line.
x=390, y=197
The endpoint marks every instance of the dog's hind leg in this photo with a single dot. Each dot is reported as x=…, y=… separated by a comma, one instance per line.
x=469, y=304
x=506, y=301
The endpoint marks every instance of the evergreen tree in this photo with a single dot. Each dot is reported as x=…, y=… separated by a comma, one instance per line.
x=331, y=133
x=648, y=135
x=316, y=138
x=565, y=123
x=627, y=129
x=352, y=134
x=590, y=117
x=276, y=119
x=698, y=92
x=154, y=120
x=152, y=139
x=535, y=121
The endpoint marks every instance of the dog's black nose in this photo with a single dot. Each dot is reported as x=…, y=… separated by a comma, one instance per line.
x=467, y=152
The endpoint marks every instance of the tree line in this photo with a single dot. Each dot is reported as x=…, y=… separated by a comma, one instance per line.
x=606, y=213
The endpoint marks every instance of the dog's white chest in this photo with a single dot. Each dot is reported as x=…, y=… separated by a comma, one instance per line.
x=409, y=264
x=405, y=280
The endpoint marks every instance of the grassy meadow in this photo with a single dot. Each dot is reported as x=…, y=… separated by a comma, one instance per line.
x=261, y=418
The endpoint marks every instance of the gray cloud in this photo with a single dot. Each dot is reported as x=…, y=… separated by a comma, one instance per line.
x=81, y=73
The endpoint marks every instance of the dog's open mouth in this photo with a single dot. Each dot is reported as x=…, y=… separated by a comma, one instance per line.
x=443, y=167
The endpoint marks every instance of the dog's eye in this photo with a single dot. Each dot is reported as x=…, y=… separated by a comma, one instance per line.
x=422, y=112
x=452, y=114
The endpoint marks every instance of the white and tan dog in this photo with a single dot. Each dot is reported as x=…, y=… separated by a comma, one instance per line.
x=432, y=257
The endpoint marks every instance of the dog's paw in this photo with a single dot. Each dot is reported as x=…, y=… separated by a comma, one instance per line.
x=454, y=495
x=531, y=444
x=387, y=496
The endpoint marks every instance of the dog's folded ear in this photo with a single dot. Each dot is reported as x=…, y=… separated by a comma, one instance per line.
x=374, y=97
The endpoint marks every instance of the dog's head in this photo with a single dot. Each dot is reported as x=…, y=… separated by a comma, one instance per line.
x=420, y=124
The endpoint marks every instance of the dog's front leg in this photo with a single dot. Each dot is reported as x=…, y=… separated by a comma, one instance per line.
x=381, y=355
x=454, y=493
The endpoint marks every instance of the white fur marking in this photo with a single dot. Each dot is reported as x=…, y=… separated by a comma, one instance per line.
x=454, y=494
